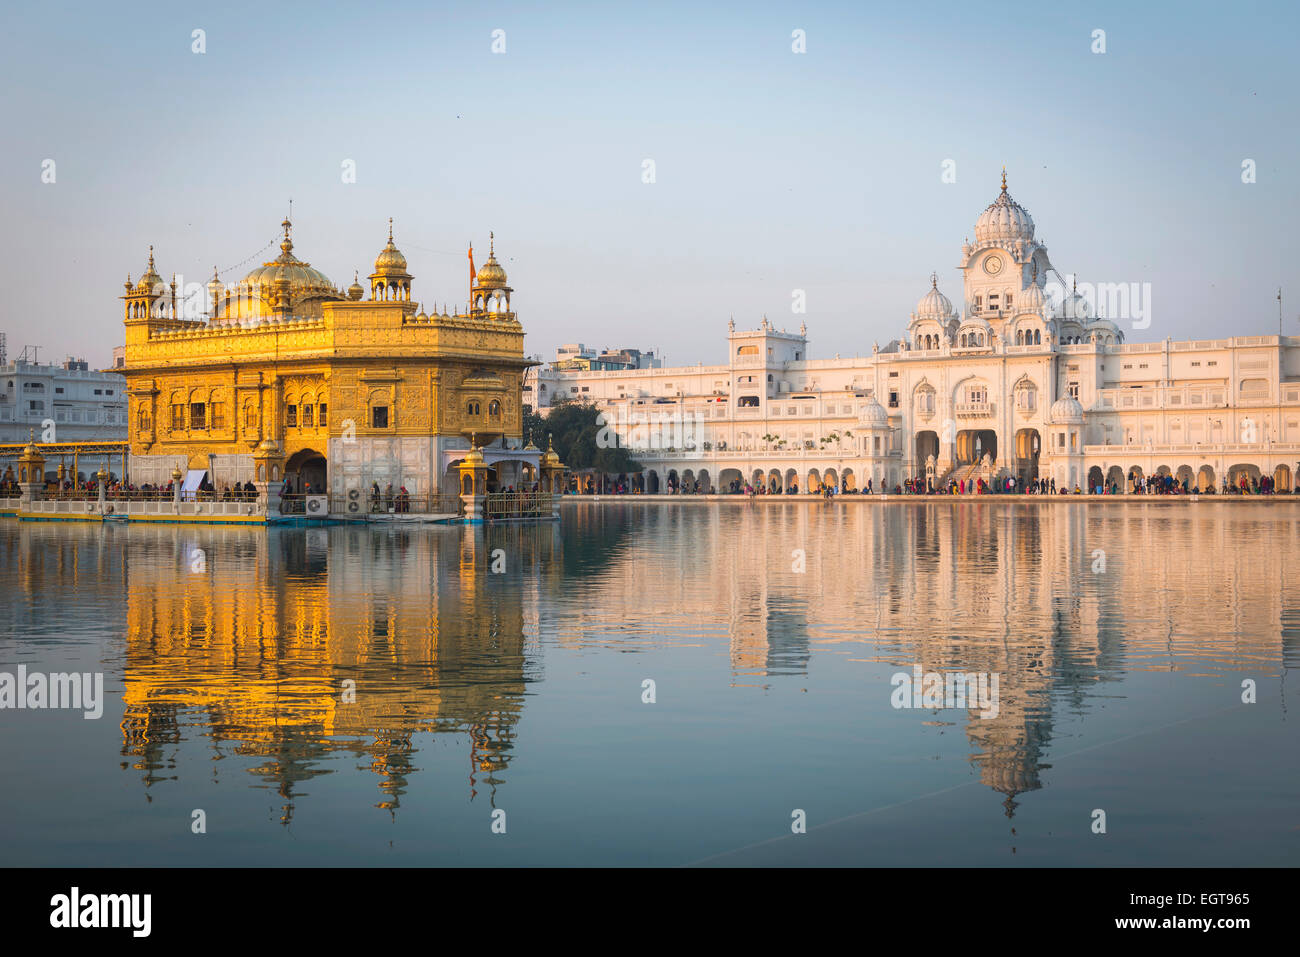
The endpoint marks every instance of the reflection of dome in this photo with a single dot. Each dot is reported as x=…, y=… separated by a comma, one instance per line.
x=1004, y=220
x=934, y=304
x=873, y=414
x=1067, y=411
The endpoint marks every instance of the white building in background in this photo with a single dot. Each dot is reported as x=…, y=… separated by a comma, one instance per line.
x=1024, y=380
x=84, y=404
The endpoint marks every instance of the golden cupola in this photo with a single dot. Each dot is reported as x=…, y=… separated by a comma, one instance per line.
x=491, y=290
x=390, y=282
x=285, y=284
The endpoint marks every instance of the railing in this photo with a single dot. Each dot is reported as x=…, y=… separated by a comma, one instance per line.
x=397, y=503
x=512, y=505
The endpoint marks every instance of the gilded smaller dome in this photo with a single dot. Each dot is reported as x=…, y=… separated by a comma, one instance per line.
x=390, y=259
x=490, y=274
x=355, y=291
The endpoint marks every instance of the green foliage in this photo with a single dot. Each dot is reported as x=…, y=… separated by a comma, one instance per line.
x=574, y=431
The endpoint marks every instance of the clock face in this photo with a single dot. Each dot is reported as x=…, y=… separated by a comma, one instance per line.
x=993, y=265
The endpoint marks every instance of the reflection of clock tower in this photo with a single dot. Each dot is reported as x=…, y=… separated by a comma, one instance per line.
x=1003, y=261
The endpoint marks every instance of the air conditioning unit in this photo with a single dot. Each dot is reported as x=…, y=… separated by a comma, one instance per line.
x=317, y=504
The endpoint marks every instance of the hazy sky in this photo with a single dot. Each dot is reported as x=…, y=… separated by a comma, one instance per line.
x=774, y=171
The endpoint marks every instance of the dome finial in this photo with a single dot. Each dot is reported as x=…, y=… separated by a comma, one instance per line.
x=492, y=244
x=390, y=229
x=1004, y=179
x=934, y=280
x=151, y=257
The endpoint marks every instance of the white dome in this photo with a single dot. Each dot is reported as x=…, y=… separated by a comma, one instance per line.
x=1004, y=220
x=934, y=304
x=873, y=414
x=1073, y=306
x=1067, y=411
x=1032, y=299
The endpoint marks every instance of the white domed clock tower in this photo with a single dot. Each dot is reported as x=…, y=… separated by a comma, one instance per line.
x=1003, y=262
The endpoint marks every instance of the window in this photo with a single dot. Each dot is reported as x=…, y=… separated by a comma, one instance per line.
x=747, y=402
x=178, y=417
x=472, y=407
x=1008, y=300
x=99, y=392
x=1195, y=364
x=308, y=417
x=106, y=391
x=250, y=416
x=35, y=405
x=143, y=420
x=1212, y=362
x=58, y=390
x=379, y=417
x=322, y=419
x=893, y=399
x=291, y=416
x=1073, y=390
x=494, y=409
x=979, y=302
x=218, y=415
x=198, y=416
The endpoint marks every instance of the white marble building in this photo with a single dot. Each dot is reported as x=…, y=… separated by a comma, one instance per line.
x=1024, y=380
x=61, y=403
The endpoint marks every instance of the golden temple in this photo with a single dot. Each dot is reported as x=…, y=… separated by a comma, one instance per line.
x=287, y=376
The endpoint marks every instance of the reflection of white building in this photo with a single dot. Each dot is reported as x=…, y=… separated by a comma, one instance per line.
x=83, y=404
x=1023, y=379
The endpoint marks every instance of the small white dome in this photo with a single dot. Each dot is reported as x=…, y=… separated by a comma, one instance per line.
x=1067, y=411
x=873, y=414
x=1004, y=220
x=934, y=304
x=1032, y=299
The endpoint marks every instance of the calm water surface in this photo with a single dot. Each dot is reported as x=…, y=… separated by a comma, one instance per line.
x=1120, y=637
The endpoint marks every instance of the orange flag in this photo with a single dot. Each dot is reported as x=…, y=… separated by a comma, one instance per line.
x=472, y=272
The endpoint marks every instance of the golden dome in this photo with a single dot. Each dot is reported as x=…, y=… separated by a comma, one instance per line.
x=150, y=280
x=355, y=292
x=255, y=295
x=490, y=274
x=390, y=259
x=301, y=275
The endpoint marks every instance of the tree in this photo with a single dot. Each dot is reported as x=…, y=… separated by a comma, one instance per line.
x=574, y=430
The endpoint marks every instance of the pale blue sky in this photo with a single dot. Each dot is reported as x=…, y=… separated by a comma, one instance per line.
x=775, y=171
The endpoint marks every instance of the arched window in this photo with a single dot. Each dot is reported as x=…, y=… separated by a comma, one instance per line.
x=472, y=407
x=1038, y=337
x=1020, y=337
x=494, y=409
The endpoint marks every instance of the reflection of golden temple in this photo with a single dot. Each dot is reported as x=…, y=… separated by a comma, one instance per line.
x=264, y=666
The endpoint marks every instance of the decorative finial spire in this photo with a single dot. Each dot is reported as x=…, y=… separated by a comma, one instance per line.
x=492, y=244
x=1004, y=179
x=934, y=280
x=151, y=258
x=1035, y=270
x=390, y=229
